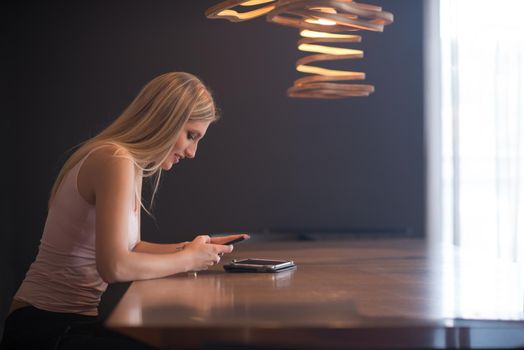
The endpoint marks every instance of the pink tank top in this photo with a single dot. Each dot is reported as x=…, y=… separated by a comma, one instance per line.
x=64, y=277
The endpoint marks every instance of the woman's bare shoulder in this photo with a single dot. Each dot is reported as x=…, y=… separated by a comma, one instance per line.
x=110, y=155
x=109, y=150
x=111, y=164
x=105, y=166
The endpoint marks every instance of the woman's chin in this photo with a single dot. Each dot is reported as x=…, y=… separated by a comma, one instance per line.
x=167, y=166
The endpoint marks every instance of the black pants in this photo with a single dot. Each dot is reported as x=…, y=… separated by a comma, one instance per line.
x=32, y=328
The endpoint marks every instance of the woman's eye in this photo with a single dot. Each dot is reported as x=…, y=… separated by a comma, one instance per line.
x=190, y=136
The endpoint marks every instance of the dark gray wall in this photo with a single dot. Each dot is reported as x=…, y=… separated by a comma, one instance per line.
x=272, y=163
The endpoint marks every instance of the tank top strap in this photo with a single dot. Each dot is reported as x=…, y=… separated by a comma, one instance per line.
x=78, y=165
x=76, y=169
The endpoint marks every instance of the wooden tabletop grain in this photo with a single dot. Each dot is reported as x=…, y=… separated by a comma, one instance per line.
x=395, y=293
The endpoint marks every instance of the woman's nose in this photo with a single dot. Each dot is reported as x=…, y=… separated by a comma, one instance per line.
x=191, y=151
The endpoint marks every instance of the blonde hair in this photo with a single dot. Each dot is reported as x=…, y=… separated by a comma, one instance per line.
x=149, y=126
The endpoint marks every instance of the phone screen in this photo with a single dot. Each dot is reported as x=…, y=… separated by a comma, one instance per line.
x=259, y=265
x=261, y=262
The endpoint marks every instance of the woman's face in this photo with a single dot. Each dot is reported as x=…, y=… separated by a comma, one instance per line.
x=187, y=142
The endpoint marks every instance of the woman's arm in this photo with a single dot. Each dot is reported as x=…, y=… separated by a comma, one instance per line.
x=114, y=186
x=163, y=248
x=158, y=248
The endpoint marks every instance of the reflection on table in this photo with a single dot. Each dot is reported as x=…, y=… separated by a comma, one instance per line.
x=350, y=294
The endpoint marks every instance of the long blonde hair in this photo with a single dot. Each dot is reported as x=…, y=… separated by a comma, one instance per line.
x=149, y=126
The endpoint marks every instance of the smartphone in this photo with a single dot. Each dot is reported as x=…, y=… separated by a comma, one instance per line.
x=236, y=240
x=259, y=265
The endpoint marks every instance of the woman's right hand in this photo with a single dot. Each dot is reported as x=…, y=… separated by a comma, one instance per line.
x=204, y=254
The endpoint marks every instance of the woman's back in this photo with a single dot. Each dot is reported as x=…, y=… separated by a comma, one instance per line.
x=64, y=276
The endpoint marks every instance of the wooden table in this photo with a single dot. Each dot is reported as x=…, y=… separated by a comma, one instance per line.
x=361, y=294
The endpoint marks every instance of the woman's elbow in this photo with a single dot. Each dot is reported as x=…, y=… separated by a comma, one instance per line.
x=111, y=272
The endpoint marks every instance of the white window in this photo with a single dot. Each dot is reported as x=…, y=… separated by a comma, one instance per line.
x=481, y=127
x=475, y=140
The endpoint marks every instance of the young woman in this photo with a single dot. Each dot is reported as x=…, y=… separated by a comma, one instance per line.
x=92, y=235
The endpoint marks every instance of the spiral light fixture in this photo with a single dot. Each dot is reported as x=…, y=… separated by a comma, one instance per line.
x=225, y=10
x=323, y=24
